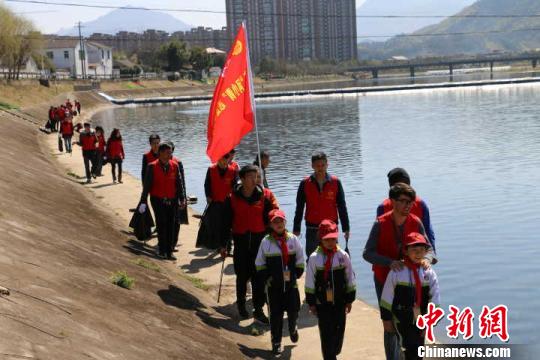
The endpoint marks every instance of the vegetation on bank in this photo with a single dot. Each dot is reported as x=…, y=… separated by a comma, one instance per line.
x=122, y=279
x=19, y=42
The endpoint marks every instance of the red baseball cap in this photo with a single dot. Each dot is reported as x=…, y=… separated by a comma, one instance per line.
x=276, y=214
x=328, y=230
x=415, y=238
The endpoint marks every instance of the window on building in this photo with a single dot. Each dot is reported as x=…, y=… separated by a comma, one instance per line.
x=66, y=54
x=102, y=54
x=109, y=54
x=50, y=55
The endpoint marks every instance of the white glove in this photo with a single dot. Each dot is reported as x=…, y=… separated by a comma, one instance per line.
x=142, y=208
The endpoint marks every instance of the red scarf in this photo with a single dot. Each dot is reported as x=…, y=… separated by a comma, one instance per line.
x=282, y=241
x=417, y=283
x=328, y=264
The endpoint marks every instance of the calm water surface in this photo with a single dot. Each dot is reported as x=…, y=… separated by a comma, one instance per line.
x=473, y=155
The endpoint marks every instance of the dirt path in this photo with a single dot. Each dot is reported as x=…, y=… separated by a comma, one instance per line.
x=363, y=338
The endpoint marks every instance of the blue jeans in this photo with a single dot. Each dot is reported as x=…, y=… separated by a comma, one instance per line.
x=392, y=348
x=67, y=143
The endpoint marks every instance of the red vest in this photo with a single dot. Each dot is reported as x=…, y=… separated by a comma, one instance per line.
x=101, y=143
x=61, y=113
x=150, y=157
x=66, y=127
x=88, y=141
x=321, y=205
x=115, y=150
x=221, y=185
x=387, y=246
x=416, y=208
x=271, y=198
x=164, y=184
x=247, y=217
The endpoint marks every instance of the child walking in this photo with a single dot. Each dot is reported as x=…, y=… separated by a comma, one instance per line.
x=406, y=295
x=280, y=263
x=330, y=289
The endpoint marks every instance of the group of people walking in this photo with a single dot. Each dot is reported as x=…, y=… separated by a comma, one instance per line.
x=96, y=150
x=243, y=216
x=243, y=219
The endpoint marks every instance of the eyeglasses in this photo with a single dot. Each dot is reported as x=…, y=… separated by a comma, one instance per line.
x=405, y=201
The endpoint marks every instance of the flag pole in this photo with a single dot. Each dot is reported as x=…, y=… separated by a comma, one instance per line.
x=252, y=100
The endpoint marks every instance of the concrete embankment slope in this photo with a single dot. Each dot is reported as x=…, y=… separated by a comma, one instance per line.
x=58, y=248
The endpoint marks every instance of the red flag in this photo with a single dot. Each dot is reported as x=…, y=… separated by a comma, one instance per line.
x=231, y=113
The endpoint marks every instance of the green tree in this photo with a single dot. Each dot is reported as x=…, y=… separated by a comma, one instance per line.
x=18, y=41
x=173, y=55
x=200, y=59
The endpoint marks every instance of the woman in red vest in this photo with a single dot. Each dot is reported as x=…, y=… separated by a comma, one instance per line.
x=384, y=245
x=164, y=184
x=115, y=154
x=218, y=185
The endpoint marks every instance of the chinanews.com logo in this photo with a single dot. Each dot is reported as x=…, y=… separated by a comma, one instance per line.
x=491, y=323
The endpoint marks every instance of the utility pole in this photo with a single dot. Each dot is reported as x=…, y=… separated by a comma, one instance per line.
x=82, y=52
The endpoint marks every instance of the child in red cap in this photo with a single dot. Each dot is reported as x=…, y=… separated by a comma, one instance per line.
x=280, y=263
x=406, y=295
x=330, y=288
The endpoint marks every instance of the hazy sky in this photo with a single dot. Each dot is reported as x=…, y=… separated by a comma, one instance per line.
x=51, y=18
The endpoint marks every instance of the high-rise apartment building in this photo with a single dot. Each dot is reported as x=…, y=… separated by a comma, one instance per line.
x=296, y=29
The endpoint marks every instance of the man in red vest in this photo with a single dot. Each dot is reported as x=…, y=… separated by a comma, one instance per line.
x=151, y=155
x=248, y=209
x=384, y=245
x=419, y=207
x=324, y=198
x=164, y=184
x=88, y=141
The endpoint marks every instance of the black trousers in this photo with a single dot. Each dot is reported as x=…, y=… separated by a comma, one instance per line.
x=89, y=157
x=114, y=163
x=166, y=223
x=279, y=302
x=411, y=338
x=246, y=247
x=331, y=329
x=98, y=163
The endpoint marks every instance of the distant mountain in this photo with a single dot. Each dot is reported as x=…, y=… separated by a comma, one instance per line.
x=492, y=34
x=129, y=20
x=395, y=26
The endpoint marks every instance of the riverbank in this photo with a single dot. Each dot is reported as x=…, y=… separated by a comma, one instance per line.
x=116, y=247
x=58, y=249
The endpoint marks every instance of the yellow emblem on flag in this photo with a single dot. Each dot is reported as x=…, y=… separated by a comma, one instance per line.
x=238, y=47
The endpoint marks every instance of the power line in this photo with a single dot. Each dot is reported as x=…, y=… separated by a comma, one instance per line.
x=208, y=11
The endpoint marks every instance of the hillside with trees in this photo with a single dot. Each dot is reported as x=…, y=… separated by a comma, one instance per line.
x=472, y=35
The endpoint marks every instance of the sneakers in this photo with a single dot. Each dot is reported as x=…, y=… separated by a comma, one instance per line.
x=242, y=311
x=276, y=349
x=294, y=336
x=171, y=257
x=258, y=314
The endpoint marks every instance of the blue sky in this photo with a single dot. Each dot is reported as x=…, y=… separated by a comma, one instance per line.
x=51, y=18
